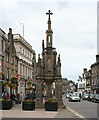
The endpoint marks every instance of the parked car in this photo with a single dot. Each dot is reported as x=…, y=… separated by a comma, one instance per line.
x=90, y=97
x=67, y=95
x=74, y=97
x=95, y=98
x=85, y=97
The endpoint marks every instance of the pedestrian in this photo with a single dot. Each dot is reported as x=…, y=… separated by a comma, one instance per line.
x=80, y=95
x=4, y=95
x=12, y=96
x=21, y=96
x=8, y=95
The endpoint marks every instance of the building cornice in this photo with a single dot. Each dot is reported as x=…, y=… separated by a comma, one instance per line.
x=19, y=38
x=95, y=64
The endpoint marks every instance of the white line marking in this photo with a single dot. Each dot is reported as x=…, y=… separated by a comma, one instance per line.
x=75, y=112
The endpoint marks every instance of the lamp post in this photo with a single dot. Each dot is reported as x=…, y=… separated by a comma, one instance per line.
x=22, y=29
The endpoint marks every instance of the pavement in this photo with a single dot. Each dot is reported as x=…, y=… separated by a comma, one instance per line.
x=83, y=109
x=17, y=112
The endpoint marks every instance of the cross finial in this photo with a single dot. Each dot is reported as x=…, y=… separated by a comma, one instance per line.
x=49, y=13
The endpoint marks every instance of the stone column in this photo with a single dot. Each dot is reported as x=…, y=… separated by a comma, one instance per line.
x=39, y=100
x=19, y=67
x=49, y=90
x=58, y=91
x=27, y=71
x=22, y=69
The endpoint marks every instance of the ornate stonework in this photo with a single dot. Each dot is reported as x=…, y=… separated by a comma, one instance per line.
x=49, y=68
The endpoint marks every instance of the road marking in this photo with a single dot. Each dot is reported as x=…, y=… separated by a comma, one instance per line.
x=76, y=113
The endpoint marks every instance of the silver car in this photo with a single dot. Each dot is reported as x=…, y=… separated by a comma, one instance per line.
x=74, y=98
x=67, y=95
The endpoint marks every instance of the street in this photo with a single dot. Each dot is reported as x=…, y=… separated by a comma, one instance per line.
x=85, y=108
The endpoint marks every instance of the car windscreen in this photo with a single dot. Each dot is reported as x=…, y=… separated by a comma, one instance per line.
x=86, y=94
x=97, y=95
x=91, y=94
x=74, y=95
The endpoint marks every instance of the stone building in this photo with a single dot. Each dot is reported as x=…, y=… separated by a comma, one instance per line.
x=95, y=75
x=11, y=64
x=65, y=86
x=2, y=58
x=25, y=53
x=87, y=78
x=48, y=68
x=2, y=49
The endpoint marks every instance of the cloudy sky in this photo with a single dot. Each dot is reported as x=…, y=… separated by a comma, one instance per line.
x=74, y=24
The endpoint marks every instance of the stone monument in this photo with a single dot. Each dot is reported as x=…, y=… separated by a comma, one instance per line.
x=49, y=69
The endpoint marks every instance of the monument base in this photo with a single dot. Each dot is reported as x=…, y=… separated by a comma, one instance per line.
x=39, y=105
x=61, y=105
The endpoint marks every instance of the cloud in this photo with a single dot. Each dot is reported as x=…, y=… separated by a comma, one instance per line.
x=73, y=23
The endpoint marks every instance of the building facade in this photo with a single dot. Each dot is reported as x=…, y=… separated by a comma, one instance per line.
x=65, y=86
x=25, y=53
x=11, y=60
x=2, y=50
x=87, y=78
x=95, y=75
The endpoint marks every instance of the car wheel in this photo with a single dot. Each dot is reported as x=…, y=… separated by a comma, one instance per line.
x=79, y=100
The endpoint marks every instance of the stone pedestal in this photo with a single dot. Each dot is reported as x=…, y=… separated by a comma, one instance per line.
x=58, y=94
x=49, y=90
x=39, y=100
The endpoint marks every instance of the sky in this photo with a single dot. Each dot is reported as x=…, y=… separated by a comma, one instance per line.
x=74, y=25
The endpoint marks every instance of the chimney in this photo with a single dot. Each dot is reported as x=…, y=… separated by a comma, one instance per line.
x=84, y=70
x=97, y=58
x=10, y=30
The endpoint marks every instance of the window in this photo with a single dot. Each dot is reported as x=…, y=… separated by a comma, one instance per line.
x=12, y=73
x=16, y=62
x=2, y=44
x=7, y=73
x=30, y=56
x=2, y=64
x=12, y=60
x=16, y=73
x=7, y=57
x=23, y=51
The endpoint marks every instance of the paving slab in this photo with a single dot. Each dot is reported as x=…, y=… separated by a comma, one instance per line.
x=17, y=112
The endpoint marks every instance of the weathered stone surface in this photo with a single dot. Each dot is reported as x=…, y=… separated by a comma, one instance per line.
x=49, y=69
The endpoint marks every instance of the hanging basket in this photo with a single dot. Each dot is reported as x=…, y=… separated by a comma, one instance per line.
x=12, y=88
x=29, y=82
x=14, y=78
x=7, y=85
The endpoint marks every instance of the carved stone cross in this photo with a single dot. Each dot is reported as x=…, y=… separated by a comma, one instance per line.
x=49, y=13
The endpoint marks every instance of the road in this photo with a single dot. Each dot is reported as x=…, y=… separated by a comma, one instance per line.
x=85, y=108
